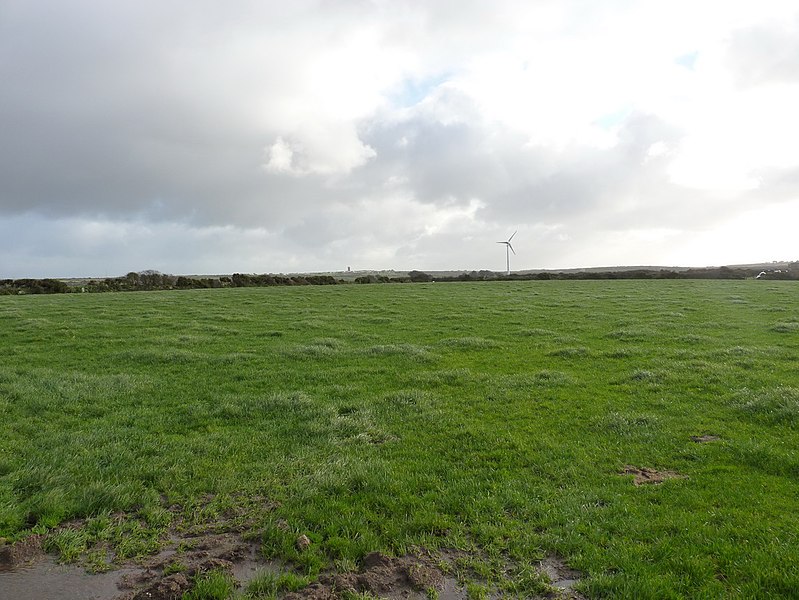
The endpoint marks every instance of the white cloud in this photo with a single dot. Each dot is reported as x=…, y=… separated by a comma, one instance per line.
x=762, y=233
x=279, y=157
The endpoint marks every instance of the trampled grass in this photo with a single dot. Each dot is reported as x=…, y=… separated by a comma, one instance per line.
x=495, y=418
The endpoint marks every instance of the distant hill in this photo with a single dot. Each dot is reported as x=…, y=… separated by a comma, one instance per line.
x=353, y=275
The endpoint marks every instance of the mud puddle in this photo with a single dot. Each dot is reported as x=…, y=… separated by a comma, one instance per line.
x=562, y=577
x=27, y=573
x=46, y=580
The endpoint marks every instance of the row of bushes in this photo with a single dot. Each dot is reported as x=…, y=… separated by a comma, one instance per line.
x=33, y=286
x=160, y=281
x=157, y=281
x=706, y=273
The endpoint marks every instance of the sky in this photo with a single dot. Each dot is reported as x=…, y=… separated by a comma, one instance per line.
x=210, y=137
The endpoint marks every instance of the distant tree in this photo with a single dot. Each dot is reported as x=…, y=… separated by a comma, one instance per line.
x=241, y=280
x=419, y=277
x=35, y=286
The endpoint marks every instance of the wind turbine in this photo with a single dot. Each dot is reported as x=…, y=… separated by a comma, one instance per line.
x=508, y=250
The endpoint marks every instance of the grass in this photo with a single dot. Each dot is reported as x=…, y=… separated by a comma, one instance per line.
x=214, y=585
x=494, y=418
x=268, y=585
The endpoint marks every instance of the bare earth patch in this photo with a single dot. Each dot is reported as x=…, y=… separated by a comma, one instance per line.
x=215, y=552
x=423, y=575
x=404, y=577
x=703, y=439
x=645, y=475
x=23, y=552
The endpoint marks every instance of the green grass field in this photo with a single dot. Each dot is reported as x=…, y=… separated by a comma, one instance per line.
x=495, y=418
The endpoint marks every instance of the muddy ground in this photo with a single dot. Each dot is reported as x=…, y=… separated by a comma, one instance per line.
x=27, y=573
x=645, y=475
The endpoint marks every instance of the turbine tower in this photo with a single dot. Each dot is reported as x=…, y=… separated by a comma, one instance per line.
x=508, y=250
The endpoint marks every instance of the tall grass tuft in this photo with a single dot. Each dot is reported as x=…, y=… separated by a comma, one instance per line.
x=778, y=405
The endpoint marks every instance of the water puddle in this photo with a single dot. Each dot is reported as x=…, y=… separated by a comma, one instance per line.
x=559, y=573
x=26, y=573
x=47, y=580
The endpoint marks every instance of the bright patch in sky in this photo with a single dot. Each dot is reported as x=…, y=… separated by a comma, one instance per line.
x=411, y=92
x=687, y=60
x=614, y=119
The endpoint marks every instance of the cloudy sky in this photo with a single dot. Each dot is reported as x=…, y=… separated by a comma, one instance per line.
x=201, y=136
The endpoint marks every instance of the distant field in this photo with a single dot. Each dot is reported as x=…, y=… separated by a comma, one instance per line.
x=494, y=418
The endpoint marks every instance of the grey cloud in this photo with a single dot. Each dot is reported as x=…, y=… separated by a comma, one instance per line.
x=108, y=110
x=457, y=162
x=34, y=246
x=118, y=115
x=776, y=186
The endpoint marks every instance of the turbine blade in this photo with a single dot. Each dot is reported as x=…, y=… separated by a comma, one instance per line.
x=511, y=237
x=511, y=248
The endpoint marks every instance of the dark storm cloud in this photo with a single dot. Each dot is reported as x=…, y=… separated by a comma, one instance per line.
x=128, y=111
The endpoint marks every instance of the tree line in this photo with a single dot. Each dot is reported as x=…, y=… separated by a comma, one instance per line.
x=147, y=281
x=150, y=280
